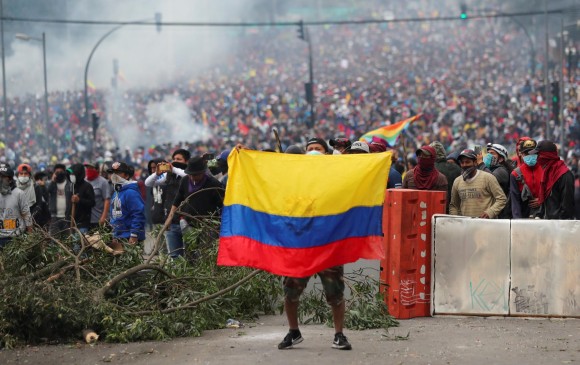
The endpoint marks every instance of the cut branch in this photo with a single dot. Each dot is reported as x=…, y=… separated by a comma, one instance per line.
x=199, y=301
x=100, y=294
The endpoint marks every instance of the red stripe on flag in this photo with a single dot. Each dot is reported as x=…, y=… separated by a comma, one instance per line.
x=297, y=262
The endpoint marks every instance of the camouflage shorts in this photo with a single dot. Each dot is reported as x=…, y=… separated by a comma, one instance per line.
x=332, y=282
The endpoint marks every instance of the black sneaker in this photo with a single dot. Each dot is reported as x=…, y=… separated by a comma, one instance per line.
x=291, y=339
x=340, y=342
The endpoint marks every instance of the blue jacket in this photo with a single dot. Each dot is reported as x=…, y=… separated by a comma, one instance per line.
x=128, y=212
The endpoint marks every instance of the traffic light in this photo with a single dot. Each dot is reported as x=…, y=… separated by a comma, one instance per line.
x=95, y=119
x=301, y=33
x=555, y=91
x=309, y=91
x=463, y=8
x=158, y=22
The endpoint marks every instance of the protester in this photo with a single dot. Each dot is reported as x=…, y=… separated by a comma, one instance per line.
x=496, y=160
x=102, y=191
x=41, y=213
x=332, y=280
x=340, y=145
x=59, y=192
x=16, y=217
x=166, y=179
x=425, y=176
x=154, y=201
x=317, y=144
x=450, y=169
x=395, y=180
x=81, y=198
x=127, y=207
x=477, y=193
x=37, y=201
x=222, y=164
x=557, y=185
x=199, y=196
x=356, y=148
x=525, y=181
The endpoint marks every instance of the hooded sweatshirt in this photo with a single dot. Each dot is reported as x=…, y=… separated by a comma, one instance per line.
x=128, y=212
x=450, y=170
x=86, y=195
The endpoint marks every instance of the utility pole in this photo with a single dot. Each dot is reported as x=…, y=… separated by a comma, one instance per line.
x=4, y=97
x=546, y=74
x=309, y=86
x=562, y=86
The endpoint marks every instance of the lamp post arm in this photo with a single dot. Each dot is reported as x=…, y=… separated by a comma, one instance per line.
x=89, y=62
x=91, y=56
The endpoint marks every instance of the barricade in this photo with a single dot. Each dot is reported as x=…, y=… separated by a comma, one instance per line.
x=405, y=277
x=500, y=267
x=471, y=269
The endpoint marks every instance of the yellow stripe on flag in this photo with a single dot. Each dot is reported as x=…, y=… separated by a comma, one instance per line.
x=306, y=185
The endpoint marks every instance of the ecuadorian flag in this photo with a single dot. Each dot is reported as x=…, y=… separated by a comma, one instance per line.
x=295, y=215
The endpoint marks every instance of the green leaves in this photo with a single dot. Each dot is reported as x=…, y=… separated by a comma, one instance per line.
x=365, y=308
x=34, y=310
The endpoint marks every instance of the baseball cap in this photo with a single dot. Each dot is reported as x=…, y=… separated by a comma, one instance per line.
x=544, y=146
x=527, y=145
x=470, y=154
x=120, y=167
x=359, y=146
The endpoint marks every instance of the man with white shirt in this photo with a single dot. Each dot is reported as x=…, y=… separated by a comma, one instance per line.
x=168, y=184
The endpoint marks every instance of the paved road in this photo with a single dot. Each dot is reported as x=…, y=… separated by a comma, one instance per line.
x=439, y=340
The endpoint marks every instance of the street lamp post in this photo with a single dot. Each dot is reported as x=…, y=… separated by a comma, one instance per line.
x=304, y=34
x=26, y=37
x=157, y=19
x=4, y=97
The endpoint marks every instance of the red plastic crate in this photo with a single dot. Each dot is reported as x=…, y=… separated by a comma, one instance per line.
x=405, y=278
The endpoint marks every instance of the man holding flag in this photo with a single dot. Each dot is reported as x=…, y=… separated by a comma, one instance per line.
x=281, y=215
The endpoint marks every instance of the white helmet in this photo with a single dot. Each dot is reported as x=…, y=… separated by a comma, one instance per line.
x=501, y=150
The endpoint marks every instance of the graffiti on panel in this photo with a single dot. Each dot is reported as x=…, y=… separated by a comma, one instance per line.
x=408, y=294
x=487, y=295
x=530, y=301
x=570, y=303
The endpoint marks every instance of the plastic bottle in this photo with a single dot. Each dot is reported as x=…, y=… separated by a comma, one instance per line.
x=185, y=227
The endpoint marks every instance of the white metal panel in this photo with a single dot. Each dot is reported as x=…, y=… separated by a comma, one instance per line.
x=545, y=268
x=471, y=266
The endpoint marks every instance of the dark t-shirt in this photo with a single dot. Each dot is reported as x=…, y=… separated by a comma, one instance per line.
x=206, y=201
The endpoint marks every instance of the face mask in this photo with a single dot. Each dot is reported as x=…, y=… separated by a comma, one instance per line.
x=73, y=179
x=531, y=160
x=116, y=180
x=426, y=164
x=5, y=187
x=179, y=165
x=60, y=177
x=92, y=174
x=489, y=160
x=23, y=180
x=467, y=172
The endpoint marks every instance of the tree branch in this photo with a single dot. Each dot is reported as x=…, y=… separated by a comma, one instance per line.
x=201, y=300
x=100, y=294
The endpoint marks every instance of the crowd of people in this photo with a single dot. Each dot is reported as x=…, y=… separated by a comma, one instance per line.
x=471, y=81
x=483, y=136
